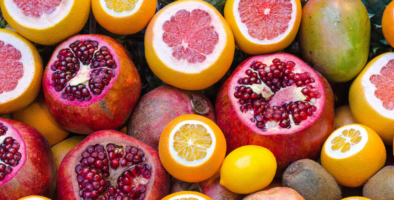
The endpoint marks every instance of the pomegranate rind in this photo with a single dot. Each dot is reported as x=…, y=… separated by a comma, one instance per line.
x=71, y=23
x=112, y=111
x=159, y=183
x=287, y=147
x=30, y=91
x=366, y=108
x=186, y=194
x=178, y=75
x=38, y=174
x=127, y=22
x=251, y=47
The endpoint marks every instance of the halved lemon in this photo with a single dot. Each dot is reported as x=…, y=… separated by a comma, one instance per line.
x=192, y=148
x=123, y=16
x=34, y=197
x=187, y=195
x=264, y=26
x=352, y=154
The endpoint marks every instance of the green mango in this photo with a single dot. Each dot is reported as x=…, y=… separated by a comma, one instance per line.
x=334, y=37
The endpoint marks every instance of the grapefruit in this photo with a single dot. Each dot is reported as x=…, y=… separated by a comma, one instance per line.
x=46, y=22
x=20, y=72
x=123, y=17
x=264, y=26
x=189, y=45
x=371, y=97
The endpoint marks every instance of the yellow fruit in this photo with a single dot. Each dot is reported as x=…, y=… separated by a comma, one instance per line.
x=192, y=148
x=356, y=198
x=248, y=169
x=186, y=195
x=352, y=154
x=61, y=149
x=34, y=197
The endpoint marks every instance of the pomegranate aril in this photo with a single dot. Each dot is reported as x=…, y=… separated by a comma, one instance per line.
x=3, y=129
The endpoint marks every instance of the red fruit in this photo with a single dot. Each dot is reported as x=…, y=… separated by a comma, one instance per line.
x=111, y=165
x=91, y=84
x=278, y=193
x=26, y=162
x=292, y=116
x=212, y=188
x=160, y=106
x=179, y=186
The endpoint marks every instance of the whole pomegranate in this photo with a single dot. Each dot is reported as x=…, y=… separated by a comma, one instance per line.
x=160, y=106
x=111, y=165
x=91, y=84
x=26, y=162
x=276, y=101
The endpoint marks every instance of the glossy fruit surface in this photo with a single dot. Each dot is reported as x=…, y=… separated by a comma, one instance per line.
x=61, y=149
x=187, y=195
x=387, y=24
x=34, y=197
x=278, y=193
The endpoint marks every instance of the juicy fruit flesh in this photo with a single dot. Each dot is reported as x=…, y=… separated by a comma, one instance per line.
x=11, y=69
x=121, y=5
x=9, y=153
x=186, y=198
x=97, y=164
x=384, y=83
x=192, y=141
x=190, y=35
x=36, y=8
x=346, y=140
x=260, y=84
x=83, y=70
x=265, y=19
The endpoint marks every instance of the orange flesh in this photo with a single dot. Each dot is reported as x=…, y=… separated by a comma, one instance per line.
x=11, y=70
x=384, y=83
x=340, y=143
x=121, y=5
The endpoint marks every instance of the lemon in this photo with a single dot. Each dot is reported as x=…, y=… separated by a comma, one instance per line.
x=248, y=169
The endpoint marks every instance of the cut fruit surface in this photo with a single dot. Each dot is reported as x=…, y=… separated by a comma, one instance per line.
x=264, y=26
x=46, y=22
x=123, y=16
x=189, y=45
x=20, y=72
x=187, y=195
x=192, y=148
x=34, y=197
x=352, y=154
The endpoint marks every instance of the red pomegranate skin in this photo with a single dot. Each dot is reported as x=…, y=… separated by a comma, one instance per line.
x=38, y=174
x=112, y=111
x=160, y=106
x=159, y=181
x=212, y=188
x=287, y=148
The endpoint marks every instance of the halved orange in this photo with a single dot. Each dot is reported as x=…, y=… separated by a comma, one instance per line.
x=34, y=197
x=46, y=22
x=189, y=45
x=265, y=26
x=123, y=16
x=371, y=97
x=20, y=72
x=192, y=148
x=187, y=195
x=352, y=154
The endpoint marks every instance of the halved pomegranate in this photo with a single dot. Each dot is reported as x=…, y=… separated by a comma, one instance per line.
x=111, y=165
x=91, y=84
x=26, y=162
x=276, y=101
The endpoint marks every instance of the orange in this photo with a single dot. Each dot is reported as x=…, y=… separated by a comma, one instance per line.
x=352, y=154
x=192, y=148
x=189, y=45
x=20, y=72
x=61, y=149
x=356, y=198
x=262, y=27
x=123, y=16
x=388, y=24
x=34, y=197
x=49, y=23
x=186, y=195
x=37, y=115
x=371, y=97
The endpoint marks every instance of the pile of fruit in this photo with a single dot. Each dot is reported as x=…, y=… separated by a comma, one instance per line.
x=196, y=100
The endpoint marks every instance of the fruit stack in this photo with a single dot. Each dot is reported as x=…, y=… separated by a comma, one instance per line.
x=196, y=100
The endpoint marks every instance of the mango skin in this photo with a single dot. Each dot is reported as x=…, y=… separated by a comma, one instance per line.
x=334, y=37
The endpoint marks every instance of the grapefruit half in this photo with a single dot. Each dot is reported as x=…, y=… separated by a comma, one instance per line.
x=263, y=26
x=189, y=45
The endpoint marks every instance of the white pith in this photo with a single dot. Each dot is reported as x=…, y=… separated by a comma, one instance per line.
x=45, y=20
x=82, y=77
x=186, y=196
x=370, y=88
x=164, y=52
x=175, y=155
x=28, y=67
x=244, y=29
x=121, y=14
x=354, y=148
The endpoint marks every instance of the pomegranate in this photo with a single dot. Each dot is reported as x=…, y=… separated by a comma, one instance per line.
x=26, y=162
x=91, y=84
x=276, y=101
x=111, y=165
x=160, y=106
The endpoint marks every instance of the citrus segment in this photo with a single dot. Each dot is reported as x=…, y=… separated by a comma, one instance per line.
x=384, y=83
x=11, y=69
x=121, y=5
x=342, y=142
x=38, y=7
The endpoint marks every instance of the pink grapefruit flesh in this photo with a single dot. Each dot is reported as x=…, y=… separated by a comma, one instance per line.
x=384, y=83
x=11, y=69
x=36, y=8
